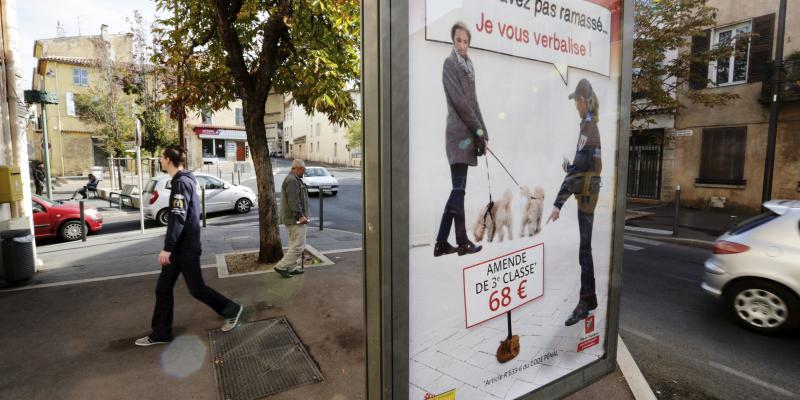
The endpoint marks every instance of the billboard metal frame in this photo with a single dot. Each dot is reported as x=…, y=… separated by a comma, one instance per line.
x=385, y=99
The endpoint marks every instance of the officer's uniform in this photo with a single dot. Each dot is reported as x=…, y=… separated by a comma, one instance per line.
x=583, y=181
x=183, y=241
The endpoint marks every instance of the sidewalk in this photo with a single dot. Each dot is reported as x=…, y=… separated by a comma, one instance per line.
x=87, y=311
x=699, y=228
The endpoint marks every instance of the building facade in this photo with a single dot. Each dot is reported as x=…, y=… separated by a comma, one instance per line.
x=220, y=136
x=313, y=137
x=719, y=153
x=68, y=66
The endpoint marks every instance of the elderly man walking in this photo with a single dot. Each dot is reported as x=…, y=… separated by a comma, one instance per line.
x=294, y=211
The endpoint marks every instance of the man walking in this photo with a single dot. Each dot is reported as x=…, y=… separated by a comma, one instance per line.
x=181, y=254
x=294, y=211
x=39, y=178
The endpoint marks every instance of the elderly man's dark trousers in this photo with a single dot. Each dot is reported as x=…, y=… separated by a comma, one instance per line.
x=189, y=266
x=454, y=209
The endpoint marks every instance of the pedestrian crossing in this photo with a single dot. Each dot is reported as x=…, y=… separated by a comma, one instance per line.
x=633, y=243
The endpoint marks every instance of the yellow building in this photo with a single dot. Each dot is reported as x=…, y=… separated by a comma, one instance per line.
x=69, y=66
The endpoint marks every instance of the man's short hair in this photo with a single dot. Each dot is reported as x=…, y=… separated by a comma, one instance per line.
x=460, y=26
x=176, y=155
x=298, y=163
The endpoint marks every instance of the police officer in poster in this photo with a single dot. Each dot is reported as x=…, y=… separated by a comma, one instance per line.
x=583, y=181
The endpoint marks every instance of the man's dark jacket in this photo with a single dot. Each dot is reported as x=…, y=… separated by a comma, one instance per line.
x=183, y=229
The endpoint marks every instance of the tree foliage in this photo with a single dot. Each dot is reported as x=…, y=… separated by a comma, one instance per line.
x=110, y=118
x=662, y=60
x=354, y=134
x=145, y=82
x=223, y=50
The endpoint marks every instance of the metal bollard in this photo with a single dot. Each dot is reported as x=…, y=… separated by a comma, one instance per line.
x=83, y=221
x=219, y=173
x=203, y=202
x=239, y=172
x=321, y=196
x=233, y=178
x=677, y=210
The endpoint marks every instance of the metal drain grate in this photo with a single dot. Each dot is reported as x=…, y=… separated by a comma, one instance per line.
x=259, y=359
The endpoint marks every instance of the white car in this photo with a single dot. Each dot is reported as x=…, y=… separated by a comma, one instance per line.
x=315, y=177
x=220, y=196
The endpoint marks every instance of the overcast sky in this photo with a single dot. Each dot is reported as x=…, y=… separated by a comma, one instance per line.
x=37, y=19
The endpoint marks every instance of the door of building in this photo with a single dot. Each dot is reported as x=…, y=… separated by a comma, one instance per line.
x=644, y=164
x=241, y=155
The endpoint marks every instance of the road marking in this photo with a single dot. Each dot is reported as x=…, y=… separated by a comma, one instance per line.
x=239, y=238
x=680, y=278
x=643, y=240
x=632, y=247
x=640, y=334
x=89, y=280
x=757, y=381
x=647, y=230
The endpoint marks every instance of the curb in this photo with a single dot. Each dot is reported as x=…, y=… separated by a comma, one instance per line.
x=633, y=375
x=222, y=264
x=697, y=243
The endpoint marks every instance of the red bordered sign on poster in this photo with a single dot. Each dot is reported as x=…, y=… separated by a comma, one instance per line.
x=497, y=286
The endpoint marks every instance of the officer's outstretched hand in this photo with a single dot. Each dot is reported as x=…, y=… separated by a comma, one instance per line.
x=554, y=215
x=303, y=220
x=163, y=258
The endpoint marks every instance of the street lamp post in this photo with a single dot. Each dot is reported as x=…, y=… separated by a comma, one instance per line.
x=777, y=87
x=44, y=98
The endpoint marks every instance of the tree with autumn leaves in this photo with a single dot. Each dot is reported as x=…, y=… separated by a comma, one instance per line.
x=222, y=50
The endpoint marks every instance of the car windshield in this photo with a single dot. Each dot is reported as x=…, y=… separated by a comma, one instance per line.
x=43, y=200
x=314, y=172
x=753, y=222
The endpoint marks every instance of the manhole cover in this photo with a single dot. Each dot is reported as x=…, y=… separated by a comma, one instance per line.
x=259, y=359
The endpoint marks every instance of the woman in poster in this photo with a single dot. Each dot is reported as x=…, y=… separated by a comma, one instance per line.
x=466, y=139
x=583, y=181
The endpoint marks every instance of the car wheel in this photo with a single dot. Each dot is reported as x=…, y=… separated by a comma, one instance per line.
x=243, y=206
x=71, y=231
x=163, y=217
x=764, y=306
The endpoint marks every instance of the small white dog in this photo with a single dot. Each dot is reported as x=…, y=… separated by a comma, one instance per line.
x=493, y=218
x=532, y=208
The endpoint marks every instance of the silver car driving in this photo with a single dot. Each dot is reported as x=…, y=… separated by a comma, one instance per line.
x=755, y=268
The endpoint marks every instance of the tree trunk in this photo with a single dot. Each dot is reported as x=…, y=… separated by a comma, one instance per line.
x=270, y=249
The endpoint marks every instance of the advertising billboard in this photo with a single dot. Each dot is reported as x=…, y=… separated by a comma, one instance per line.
x=513, y=122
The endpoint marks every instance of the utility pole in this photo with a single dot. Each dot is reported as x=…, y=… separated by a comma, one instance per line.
x=777, y=87
x=44, y=98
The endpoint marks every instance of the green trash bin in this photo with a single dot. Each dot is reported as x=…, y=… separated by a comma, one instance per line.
x=18, y=262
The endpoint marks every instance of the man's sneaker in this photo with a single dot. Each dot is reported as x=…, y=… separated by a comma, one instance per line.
x=231, y=323
x=146, y=341
x=284, y=273
x=297, y=271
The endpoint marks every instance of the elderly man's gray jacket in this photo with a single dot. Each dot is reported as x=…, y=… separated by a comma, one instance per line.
x=464, y=119
x=294, y=199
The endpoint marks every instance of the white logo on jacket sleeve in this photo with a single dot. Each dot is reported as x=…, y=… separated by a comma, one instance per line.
x=178, y=202
x=582, y=142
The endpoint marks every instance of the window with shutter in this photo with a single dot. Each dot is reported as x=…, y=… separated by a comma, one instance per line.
x=761, y=47
x=698, y=71
x=731, y=69
x=722, y=157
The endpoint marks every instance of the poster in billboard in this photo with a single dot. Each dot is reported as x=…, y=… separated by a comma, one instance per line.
x=513, y=113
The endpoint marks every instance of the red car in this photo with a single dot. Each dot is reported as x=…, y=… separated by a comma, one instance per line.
x=62, y=220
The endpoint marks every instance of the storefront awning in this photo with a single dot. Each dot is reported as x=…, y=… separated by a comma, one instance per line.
x=215, y=133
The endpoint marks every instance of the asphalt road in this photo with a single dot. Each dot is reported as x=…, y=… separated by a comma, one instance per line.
x=342, y=211
x=684, y=341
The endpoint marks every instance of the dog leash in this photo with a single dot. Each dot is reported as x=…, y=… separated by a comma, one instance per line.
x=502, y=165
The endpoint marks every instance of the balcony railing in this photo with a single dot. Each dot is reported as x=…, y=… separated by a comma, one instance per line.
x=791, y=83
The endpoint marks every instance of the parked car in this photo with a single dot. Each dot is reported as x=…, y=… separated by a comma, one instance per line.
x=62, y=220
x=276, y=153
x=315, y=177
x=220, y=196
x=755, y=268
